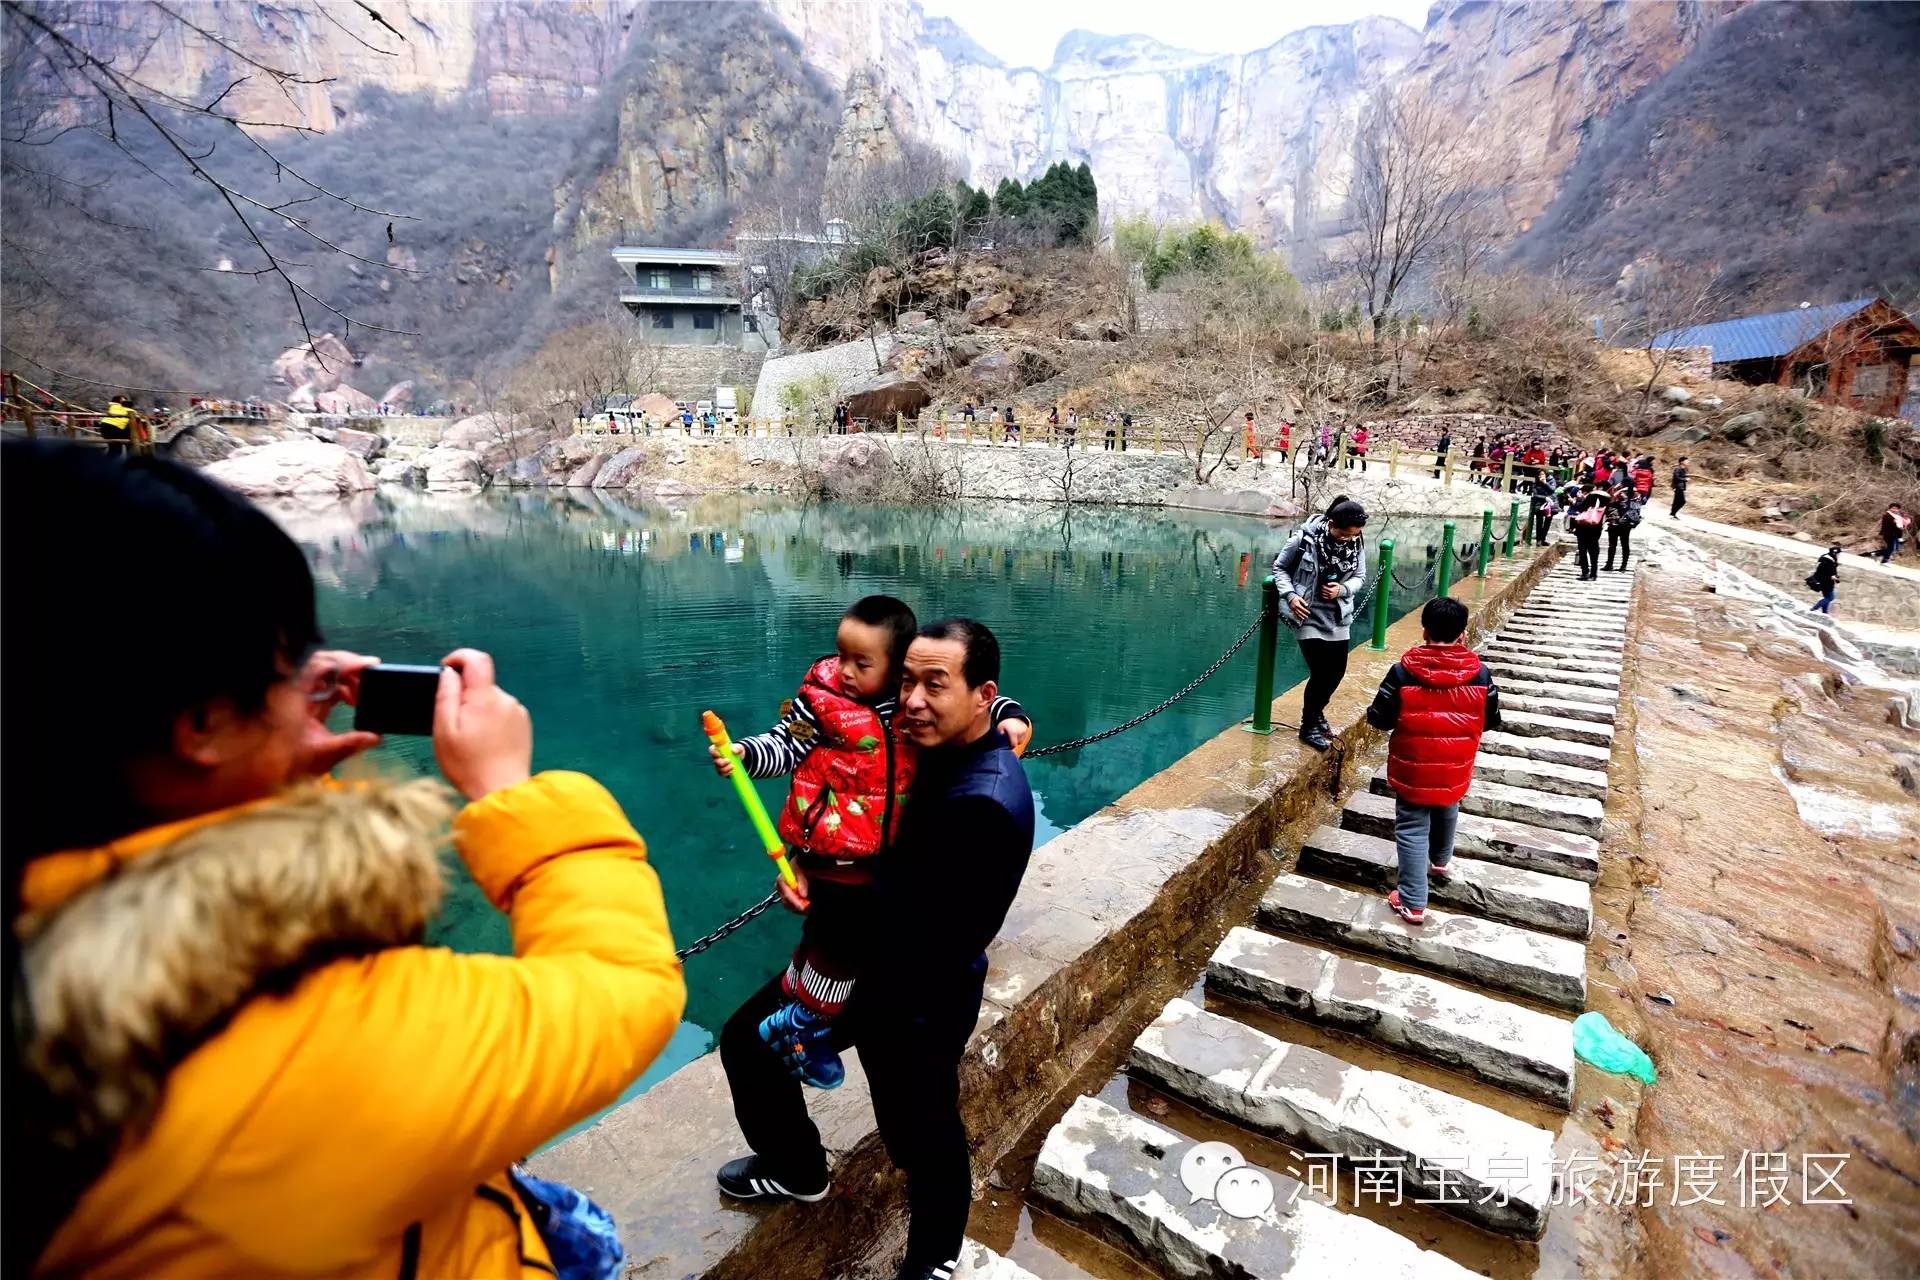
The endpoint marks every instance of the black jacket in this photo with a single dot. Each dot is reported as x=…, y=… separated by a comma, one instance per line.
x=943, y=890
x=1826, y=573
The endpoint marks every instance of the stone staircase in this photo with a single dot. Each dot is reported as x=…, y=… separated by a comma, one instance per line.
x=1459, y=1031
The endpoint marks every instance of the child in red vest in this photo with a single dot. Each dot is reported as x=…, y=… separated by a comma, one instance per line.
x=850, y=777
x=1436, y=701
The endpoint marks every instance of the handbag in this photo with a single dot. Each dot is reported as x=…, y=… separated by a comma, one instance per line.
x=579, y=1234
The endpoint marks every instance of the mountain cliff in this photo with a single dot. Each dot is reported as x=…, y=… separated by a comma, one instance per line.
x=530, y=134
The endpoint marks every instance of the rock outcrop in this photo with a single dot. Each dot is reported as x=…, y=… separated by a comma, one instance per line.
x=302, y=468
x=315, y=367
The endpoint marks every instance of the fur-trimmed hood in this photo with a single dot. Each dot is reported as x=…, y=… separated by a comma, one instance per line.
x=150, y=946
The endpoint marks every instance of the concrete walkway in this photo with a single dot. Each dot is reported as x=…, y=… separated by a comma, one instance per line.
x=1656, y=513
x=1484, y=991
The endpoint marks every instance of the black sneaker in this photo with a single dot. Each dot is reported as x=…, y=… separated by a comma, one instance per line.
x=1324, y=726
x=1316, y=739
x=748, y=1179
x=934, y=1271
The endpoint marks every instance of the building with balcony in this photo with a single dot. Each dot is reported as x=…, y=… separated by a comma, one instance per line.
x=684, y=297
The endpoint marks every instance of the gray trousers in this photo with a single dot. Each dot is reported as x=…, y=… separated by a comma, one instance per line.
x=1423, y=837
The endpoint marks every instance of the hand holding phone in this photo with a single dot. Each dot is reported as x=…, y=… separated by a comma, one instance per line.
x=397, y=699
x=482, y=736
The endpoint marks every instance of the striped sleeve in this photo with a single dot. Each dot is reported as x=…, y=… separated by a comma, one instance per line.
x=780, y=749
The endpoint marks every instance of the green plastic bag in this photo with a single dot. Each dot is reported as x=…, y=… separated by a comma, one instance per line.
x=1595, y=1041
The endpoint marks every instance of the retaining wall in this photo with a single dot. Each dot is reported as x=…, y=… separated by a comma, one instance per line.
x=1103, y=905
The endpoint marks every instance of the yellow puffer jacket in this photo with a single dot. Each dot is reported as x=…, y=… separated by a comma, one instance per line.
x=288, y=1111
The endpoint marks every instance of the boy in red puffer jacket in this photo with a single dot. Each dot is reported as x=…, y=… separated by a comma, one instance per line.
x=1436, y=701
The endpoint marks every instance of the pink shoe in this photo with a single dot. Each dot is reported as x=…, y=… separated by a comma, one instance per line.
x=1405, y=913
x=1440, y=872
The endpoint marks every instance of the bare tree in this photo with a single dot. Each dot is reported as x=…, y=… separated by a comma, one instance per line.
x=1662, y=300
x=1416, y=179
x=65, y=73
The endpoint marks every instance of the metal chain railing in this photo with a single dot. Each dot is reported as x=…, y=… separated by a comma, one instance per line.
x=708, y=940
x=702, y=944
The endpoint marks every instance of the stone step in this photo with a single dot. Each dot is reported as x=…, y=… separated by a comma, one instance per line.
x=1573, y=628
x=1609, y=680
x=1541, y=775
x=1501, y=956
x=1554, y=638
x=1119, y=1174
x=1468, y=1031
x=1563, y=646
x=1538, y=655
x=1534, y=725
x=1555, y=903
x=977, y=1262
x=1576, y=814
x=1577, y=611
x=1618, y=607
x=1594, y=695
x=1525, y=698
x=1581, y=755
x=1504, y=651
x=1479, y=1164
x=1509, y=843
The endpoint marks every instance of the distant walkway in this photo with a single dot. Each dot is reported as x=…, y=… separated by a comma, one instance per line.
x=1656, y=513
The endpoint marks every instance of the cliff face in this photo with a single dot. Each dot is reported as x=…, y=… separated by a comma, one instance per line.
x=513, y=55
x=1532, y=80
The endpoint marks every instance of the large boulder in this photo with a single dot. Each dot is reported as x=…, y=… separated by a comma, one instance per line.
x=474, y=433
x=207, y=443
x=879, y=399
x=447, y=469
x=992, y=374
x=1683, y=433
x=1035, y=366
x=524, y=472
x=989, y=306
x=398, y=396
x=1743, y=427
x=853, y=466
x=364, y=445
x=1675, y=395
x=1096, y=331
x=406, y=471
x=583, y=475
x=303, y=399
x=320, y=364
x=620, y=468
x=304, y=467
x=344, y=399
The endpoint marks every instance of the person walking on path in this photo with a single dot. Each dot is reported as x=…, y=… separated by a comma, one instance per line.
x=116, y=425
x=229, y=1053
x=1320, y=573
x=1679, y=489
x=942, y=891
x=1253, y=443
x=1893, y=531
x=1643, y=478
x=1435, y=702
x=1441, y=449
x=1623, y=514
x=1357, y=451
x=1586, y=517
x=1540, y=509
x=1825, y=579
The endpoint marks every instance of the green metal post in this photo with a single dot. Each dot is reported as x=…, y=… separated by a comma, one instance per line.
x=1263, y=664
x=1513, y=525
x=1444, y=583
x=1380, y=594
x=1486, y=542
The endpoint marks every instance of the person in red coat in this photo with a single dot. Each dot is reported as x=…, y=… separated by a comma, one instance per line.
x=1436, y=702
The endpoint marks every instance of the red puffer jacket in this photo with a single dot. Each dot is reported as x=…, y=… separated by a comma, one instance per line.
x=1445, y=701
x=850, y=781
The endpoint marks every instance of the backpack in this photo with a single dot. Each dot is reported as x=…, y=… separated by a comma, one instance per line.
x=1633, y=515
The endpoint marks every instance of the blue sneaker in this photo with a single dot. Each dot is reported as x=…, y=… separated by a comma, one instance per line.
x=799, y=1037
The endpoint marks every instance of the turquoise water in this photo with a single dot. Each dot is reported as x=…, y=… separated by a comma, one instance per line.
x=617, y=624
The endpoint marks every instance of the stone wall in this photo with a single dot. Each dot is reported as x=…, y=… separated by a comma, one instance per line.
x=692, y=372
x=847, y=363
x=881, y=467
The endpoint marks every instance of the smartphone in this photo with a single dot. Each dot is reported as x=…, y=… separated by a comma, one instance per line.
x=397, y=699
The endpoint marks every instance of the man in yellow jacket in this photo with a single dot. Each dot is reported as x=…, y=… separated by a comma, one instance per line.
x=117, y=424
x=233, y=1057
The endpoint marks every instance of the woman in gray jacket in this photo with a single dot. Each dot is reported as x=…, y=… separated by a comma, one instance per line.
x=1320, y=574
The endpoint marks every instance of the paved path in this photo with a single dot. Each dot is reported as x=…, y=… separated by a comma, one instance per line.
x=1656, y=513
x=1484, y=991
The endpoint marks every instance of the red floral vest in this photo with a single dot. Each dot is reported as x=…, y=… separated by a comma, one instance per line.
x=852, y=781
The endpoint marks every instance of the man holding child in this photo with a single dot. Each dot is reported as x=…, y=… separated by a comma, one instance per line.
x=915, y=935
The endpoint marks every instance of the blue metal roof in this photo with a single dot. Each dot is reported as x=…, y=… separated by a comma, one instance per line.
x=1758, y=337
